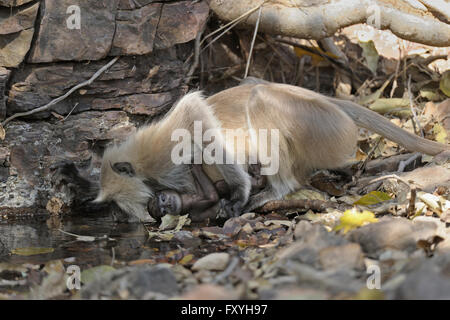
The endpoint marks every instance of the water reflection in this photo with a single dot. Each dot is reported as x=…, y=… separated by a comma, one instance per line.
x=130, y=241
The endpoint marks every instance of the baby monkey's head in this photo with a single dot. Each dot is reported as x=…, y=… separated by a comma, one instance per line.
x=165, y=202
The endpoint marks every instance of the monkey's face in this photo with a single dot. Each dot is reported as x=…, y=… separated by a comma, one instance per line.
x=166, y=202
x=119, y=182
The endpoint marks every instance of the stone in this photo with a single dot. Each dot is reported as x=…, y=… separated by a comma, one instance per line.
x=142, y=282
x=136, y=30
x=347, y=256
x=4, y=77
x=209, y=292
x=18, y=19
x=144, y=85
x=56, y=42
x=310, y=240
x=214, y=262
x=133, y=4
x=14, y=47
x=13, y=3
x=391, y=233
x=428, y=280
x=187, y=239
x=180, y=22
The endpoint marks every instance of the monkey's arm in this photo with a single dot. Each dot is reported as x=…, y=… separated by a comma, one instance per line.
x=206, y=196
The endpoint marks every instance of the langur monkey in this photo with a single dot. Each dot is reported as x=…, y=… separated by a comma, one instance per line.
x=315, y=132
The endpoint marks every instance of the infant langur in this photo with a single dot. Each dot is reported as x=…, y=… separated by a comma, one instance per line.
x=206, y=202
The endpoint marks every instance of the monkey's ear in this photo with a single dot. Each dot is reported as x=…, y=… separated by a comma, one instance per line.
x=123, y=168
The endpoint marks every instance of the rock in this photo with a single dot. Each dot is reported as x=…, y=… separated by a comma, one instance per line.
x=16, y=20
x=428, y=280
x=428, y=178
x=209, y=292
x=347, y=256
x=14, y=47
x=136, y=30
x=310, y=240
x=295, y=293
x=56, y=42
x=144, y=104
x=143, y=85
x=180, y=22
x=13, y=3
x=187, y=239
x=394, y=233
x=214, y=262
x=142, y=282
x=132, y=4
x=4, y=77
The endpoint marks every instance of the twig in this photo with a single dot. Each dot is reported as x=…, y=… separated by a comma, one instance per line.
x=196, y=56
x=412, y=203
x=402, y=165
x=253, y=43
x=315, y=205
x=369, y=156
x=411, y=105
x=233, y=22
x=65, y=118
x=59, y=99
x=390, y=176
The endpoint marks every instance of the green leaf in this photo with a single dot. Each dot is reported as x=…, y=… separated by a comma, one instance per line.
x=396, y=106
x=373, y=197
x=370, y=54
x=444, y=84
x=31, y=251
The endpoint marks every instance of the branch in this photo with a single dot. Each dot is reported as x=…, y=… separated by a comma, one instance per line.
x=315, y=205
x=283, y=17
x=61, y=98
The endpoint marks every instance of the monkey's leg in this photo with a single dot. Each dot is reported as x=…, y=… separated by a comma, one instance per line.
x=259, y=199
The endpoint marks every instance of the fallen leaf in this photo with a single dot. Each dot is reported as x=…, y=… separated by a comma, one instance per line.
x=31, y=251
x=186, y=259
x=440, y=133
x=444, y=84
x=352, y=219
x=371, y=198
x=370, y=54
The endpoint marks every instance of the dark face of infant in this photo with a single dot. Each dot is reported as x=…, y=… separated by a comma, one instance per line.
x=165, y=202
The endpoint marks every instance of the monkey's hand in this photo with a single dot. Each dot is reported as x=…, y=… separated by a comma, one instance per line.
x=233, y=208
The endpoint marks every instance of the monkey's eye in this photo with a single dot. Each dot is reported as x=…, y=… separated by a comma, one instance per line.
x=123, y=168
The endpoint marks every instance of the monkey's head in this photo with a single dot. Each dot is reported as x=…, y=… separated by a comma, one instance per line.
x=121, y=182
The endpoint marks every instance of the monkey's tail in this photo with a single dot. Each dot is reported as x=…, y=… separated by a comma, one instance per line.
x=371, y=120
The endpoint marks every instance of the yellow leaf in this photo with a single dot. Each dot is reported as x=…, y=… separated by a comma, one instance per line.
x=315, y=53
x=440, y=133
x=352, y=219
x=31, y=251
x=373, y=197
x=186, y=259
